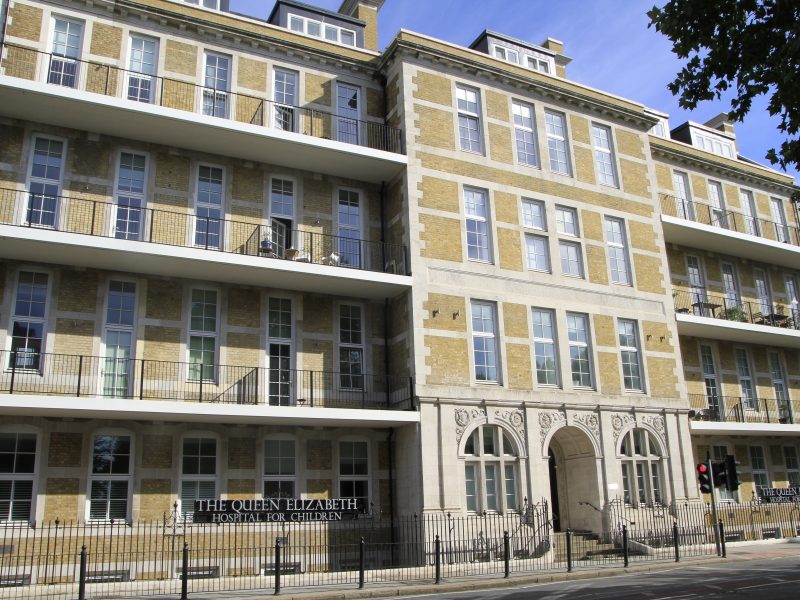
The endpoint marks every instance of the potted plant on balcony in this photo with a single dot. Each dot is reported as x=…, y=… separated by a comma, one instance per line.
x=736, y=313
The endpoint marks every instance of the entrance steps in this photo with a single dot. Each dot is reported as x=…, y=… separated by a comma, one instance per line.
x=585, y=546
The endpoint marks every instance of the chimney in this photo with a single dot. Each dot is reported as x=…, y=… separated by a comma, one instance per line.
x=721, y=122
x=562, y=61
x=367, y=11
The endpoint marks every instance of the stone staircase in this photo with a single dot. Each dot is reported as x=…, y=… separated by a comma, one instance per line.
x=586, y=546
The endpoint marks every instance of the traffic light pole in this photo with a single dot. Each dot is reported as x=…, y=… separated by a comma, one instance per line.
x=715, y=526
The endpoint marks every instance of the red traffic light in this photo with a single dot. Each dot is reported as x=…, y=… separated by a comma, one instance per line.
x=702, y=468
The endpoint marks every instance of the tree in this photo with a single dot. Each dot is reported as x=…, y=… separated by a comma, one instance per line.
x=750, y=47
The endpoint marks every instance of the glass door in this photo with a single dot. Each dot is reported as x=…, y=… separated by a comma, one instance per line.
x=45, y=182
x=348, y=112
x=349, y=216
x=697, y=286
x=142, y=67
x=280, y=375
x=116, y=370
x=711, y=383
x=64, y=60
x=718, y=216
x=285, y=97
x=781, y=229
x=216, y=81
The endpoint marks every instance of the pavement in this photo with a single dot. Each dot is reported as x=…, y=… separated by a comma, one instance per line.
x=739, y=551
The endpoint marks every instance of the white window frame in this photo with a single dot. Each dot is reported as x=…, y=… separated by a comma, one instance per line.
x=465, y=116
x=792, y=464
x=217, y=94
x=780, y=385
x=525, y=138
x=716, y=201
x=140, y=75
x=64, y=59
x=279, y=377
x=683, y=196
x=354, y=478
x=545, y=341
x=697, y=284
x=757, y=455
x=477, y=224
x=537, y=253
x=500, y=461
x=779, y=218
x=307, y=26
x=204, y=205
x=640, y=458
x=25, y=364
x=747, y=382
x=351, y=380
x=750, y=212
x=761, y=282
x=280, y=477
x=26, y=207
x=118, y=328
x=730, y=283
x=140, y=197
x=581, y=345
x=490, y=346
x=14, y=477
x=350, y=248
x=204, y=3
x=198, y=333
x=558, y=142
x=605, y=160
x=634, y=351
x=112, y=477
x=286, y=113
x=792, y=297
x=711, y=382
x=618, y=253
x=198, y=478
x=533, y=211
x=282, y=225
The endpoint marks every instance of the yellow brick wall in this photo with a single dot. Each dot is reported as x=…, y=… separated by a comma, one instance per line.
x=252, y=74
x=629, y=143
x=164, y=299
x=155, y=499
x=375, y=103
x=442, y=237
x=649, y=277
x=635, y=179
x=157, y=451
x=451, y=312
x=506, y=208
x=605, y=333
x=510, y=249
x=319, y=455
x=435, y=127
x=438, y=194
x=497, y=106
x=24, y=21
x=515, y=320
x=106, y=40
x=584, y=164
x=241, y=453
x=74, y=336
x=597, y=266
x=609, y=372
x=162, y=343
x=433, y=88
x=662, y=377
x=66, y=449
x=592, y=225
x=448, y=360
x=61, y=499
x=180, y=58
x=518, y=357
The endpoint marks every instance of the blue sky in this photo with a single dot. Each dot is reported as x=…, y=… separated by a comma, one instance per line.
x=608, y=40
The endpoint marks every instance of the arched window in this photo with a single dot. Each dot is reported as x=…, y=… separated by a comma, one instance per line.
x=491, y=470
x=641, y=468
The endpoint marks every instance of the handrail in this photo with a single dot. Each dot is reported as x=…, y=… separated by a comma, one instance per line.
x=739, y=409
x=33, y=372
x=702, y=304
x=732, y=220
x=106, y=219
x=110, y=80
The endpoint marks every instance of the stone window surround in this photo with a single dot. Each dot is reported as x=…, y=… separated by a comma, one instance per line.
x=128, y=477
x=652, y=463
x=34, y=477
x=501, y=460
x=201, y=434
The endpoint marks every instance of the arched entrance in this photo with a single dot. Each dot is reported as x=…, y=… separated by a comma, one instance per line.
x=574, y=489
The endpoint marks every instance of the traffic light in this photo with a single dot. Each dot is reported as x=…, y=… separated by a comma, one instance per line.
x=731, y=476
x=720, y=474
x=704, y=477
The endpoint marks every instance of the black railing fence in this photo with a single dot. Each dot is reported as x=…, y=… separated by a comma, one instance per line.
x=732, y=220
x=739, y=409
x=702, y=304
x=136, y=223
x=170, y=556
x=30, y=372
x=143, y=88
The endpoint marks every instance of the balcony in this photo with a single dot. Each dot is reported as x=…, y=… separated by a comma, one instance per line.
x=706, y=315
x=733, y=414
x=699, y=225
x=58, y=229
x=34, y=383
x=103, y=98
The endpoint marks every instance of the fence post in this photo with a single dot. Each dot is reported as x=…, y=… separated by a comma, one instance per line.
x=13, y=371
x=82, y=575
x=676, y=541
x=437, y=558
x=361, y=564
x=185, y=573
x=721, y=528
x=569, y=550
x=625, y=545
x=80, y=373
x=141, y=381
x=506, y=553
x=277, y=567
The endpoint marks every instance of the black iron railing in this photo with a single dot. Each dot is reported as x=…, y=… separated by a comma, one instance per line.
x=30, y=372
x=111, y=80
x=702, y=304
x=736, y=409
x=135, y=223
x=732, y=220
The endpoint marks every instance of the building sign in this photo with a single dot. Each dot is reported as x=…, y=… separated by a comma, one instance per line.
x=779, y=495
x=275, y=510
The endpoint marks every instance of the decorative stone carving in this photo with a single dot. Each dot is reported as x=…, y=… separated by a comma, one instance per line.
x=464, y=417
x=547, y=420
x=656, y=422
x=590, y=422
x=619, y=422
x=513, y=418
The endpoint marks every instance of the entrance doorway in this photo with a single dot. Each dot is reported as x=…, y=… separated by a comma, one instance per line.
x=574, y=489
x=552, y=468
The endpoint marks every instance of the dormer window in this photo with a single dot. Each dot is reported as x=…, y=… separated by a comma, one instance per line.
x=326, y=31
x=538, y=64
x=212, y=4
x=713, y=144
x=506, y=54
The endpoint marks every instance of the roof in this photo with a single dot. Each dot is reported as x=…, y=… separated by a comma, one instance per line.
x=315, y=9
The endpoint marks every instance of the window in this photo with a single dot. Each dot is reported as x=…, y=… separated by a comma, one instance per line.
x=759, y=468
x=779, y=219
x=506, y=54
x=469, y=120
x=579, y=350
x=793, y=297
x=130, y=196
x=213, y=4
x=719, y=454
x=327, y=31
x=719, y=217
x=525, y=134
x=779, y=386
x=285, y=97
x=556, y=126
x=198, y=472
x=110, y=477
x=66, y=52
x=208, y=207
x=629, y=352
x=17, y=468
x=119, y=339
x=618, y=251
x=713, y=144
x=792, y=465
x=279, y=332
x=729, y=283
x=351, y=347
x=354, y=472
x=569, y=252
x=484, y=341
x=491, y=467
x=604, y=160
x=746, y=387
x=540, y=64
x=217, y=85
x=142, y=67
x=762, y=291
x=544, y=346
x=348, y=113
x=281, y=210
x=44, y=182
x=641, y=468
x=567, y=221
x=697, y=285
x=280, y=469
x=748, y=203
x=538, y=252
x=683, y=198
x=533, y=214
x=28, y=320
x=710, y=380
x=203, y=335
x=476, y=210
x=349, y=223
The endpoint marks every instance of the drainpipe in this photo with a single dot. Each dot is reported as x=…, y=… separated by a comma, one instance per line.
x=4, y=12
x=390, y=442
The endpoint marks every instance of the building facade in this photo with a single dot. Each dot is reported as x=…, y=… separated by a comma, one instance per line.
x=249, y=258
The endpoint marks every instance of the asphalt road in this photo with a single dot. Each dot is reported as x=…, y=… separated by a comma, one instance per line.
x=775, y=579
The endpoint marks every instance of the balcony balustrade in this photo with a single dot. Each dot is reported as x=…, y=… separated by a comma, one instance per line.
x=731, y=220
x=133, y=222
x=142, y=88
x=30, y=372
x=702, y=304
x=734, y=409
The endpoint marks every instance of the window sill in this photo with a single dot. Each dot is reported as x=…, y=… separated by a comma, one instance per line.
x=495, y=383
x=545, y=271
x=481, y=261
x=475, y=152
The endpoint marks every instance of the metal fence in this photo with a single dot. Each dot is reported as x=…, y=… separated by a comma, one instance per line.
x=145, y=88
x=31, y=372
x=737, y=409
x=700, y=303
x=172, y=556
x=104, y=218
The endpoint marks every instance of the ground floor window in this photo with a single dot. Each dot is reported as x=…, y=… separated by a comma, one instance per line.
x=642, y=469
x=17, y=466
x=110, y=477
x=280, y=471
x=491, y=471
x=354, y=471
x=198, y=472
